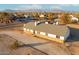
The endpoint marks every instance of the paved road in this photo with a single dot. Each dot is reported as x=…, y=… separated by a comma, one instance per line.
x=42, y=45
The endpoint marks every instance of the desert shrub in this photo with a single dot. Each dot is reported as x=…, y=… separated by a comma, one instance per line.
x=15, y=45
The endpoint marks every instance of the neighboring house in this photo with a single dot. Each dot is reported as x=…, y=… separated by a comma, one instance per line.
x=41, y=16
x=73, y=18
x=56, y=21
x=26, y=16
x=58, y=33
x=15, y=14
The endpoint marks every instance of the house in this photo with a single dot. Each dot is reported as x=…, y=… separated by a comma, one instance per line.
x=56, y=21
x=41, y=16
x=73, y=18
x=58, y=33
x=26, y=16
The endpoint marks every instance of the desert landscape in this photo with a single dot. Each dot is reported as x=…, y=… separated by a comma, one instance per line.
x=39, y=31
x=17, y=42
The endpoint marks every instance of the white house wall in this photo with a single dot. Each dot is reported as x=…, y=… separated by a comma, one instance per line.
x=24, y=29
x=42, y=33
x=27, y=29
x=61, y=37
x=52, y=35
x=31, y=31
x=35, y=32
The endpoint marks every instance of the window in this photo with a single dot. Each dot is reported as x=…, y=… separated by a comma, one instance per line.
x=58, y=37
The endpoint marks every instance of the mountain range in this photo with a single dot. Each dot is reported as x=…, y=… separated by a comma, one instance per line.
x=36, y=10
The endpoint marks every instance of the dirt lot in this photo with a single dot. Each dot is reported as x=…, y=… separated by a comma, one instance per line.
x=5, y=49
x=36, y=46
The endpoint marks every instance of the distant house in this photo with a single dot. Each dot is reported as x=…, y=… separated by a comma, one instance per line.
x=26, y=16
x=15, y=14
x=58, y=33
x=56, y=21
x=73, y=18
x=41, y=16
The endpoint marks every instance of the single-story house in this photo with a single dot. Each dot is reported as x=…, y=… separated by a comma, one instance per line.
x=41, y=16
x=58, y=33
x=73, y=18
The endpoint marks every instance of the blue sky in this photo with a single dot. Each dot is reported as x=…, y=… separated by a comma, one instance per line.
x=68, y=7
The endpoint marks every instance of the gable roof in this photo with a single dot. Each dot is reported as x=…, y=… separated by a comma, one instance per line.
x=30, y=25
x=59, y=30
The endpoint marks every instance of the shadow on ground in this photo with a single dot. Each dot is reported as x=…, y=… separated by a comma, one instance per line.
x=35, y=44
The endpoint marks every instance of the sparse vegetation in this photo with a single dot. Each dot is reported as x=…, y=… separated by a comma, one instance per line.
x=7, y=17
x=15, y=45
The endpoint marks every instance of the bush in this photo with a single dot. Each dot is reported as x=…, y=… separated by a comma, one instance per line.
x=15, y=45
